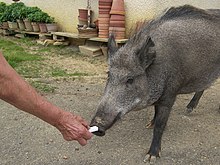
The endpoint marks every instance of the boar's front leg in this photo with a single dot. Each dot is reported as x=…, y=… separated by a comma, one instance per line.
x=162, y=109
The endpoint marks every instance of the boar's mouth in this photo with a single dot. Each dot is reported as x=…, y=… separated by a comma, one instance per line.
x=103, y=128
x=100, y=132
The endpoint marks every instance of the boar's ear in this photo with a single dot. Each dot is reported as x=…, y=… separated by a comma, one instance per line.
x=112, y=46
x=147, y=53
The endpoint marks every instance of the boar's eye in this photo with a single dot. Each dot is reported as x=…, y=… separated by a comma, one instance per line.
x=130, y=81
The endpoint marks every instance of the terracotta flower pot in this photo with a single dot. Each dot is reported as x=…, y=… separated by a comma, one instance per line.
x=103, y=24
x=105, y=0
x=103, y=28
x=52, y=27
x=103, y=32
x=118, y=33
x=43, y=27
x=103, y=36
x=103, y=21
x=5, y=25
x=82, y=21
x=105, y=3
x=104, y=11
x=117, y=17
x=28, y=26
x=117, y=23
x=118, y=7
x=13, y=25
x=21, y=25
x=104, y=15
x=35, y=26
x=117, y=29
x=83, y=13
x=105, y=7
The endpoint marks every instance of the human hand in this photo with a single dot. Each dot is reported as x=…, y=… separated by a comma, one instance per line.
x=73, y=127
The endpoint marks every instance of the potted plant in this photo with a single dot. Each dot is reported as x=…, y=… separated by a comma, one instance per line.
x=34, y=19
x=3, y=19
x=27, y=21
x=12, y=14
x=46, y=23
x=39, y=18
x=51, y=25
x=21, y=14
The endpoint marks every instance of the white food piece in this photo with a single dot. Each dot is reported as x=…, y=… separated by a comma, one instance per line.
x=93, y=129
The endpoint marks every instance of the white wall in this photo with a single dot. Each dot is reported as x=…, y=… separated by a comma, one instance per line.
x=66, y=11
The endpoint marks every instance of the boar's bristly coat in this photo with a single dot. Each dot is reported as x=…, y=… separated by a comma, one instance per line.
x=176, y=53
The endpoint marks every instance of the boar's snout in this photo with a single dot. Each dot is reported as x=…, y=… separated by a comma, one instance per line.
x=100, y=132
x=97, y=121
x=104, y=122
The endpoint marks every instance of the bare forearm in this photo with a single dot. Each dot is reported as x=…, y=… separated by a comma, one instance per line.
x=14, y=90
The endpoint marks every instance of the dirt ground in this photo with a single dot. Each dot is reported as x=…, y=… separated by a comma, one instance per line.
x=189, y=139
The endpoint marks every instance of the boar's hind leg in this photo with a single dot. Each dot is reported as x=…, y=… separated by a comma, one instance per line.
x=162, y=109
x=194, y=102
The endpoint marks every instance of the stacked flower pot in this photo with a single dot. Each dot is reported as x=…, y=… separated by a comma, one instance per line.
x=117, y=19
x=104, y=18
x=83, y=17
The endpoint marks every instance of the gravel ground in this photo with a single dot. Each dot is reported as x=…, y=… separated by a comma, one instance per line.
x=188, y=139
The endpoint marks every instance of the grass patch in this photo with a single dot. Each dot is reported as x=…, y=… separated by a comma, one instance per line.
x=16, y=57
x=58, y=72
x=43, y=87
x=27, y=41
x=34, y=61
x=31, y=70
x=16, y=54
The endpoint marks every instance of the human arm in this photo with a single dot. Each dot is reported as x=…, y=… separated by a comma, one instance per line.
x=16, y=91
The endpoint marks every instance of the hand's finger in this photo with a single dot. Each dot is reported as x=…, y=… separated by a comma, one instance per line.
x=85, y=124
x=87, y=135
x=67, y=138
x=82, y=141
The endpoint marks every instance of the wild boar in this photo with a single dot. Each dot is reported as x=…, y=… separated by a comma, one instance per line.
x=176, y=53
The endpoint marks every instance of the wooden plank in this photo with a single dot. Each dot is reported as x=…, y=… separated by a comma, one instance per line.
x=121, y=41
x=69, y=35
x=33, y=33
x=90, y=50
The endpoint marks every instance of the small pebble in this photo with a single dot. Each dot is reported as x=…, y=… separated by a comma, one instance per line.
x=65, y=157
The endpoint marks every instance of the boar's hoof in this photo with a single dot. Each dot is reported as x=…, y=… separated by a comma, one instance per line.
x=189, y=109
x=150, y=125
x=149, y=158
